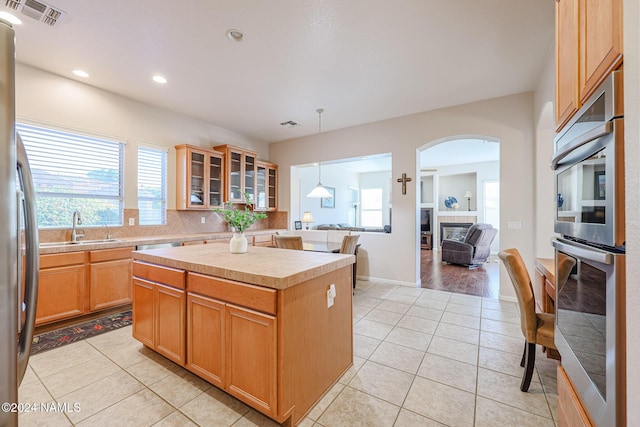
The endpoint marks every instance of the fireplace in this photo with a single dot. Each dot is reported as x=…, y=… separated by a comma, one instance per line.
x=454, y=230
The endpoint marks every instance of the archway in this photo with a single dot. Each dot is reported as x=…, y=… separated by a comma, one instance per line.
x=459, y=185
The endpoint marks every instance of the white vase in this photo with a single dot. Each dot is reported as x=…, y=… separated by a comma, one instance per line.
x=238, y=244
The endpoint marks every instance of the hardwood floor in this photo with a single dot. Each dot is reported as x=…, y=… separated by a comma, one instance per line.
x=483, y=281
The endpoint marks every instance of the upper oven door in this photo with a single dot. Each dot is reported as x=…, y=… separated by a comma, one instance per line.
x=590, y=188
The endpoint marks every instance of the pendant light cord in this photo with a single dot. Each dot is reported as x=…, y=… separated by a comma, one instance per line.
x=320, y=111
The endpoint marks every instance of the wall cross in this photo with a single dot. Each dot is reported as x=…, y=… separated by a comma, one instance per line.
x=404, y=181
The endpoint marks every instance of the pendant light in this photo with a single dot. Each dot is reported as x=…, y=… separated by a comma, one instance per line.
x=319, y=191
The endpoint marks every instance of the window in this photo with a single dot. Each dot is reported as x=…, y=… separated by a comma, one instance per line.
x=372, y=207
x=74, y=172
x=152, y=186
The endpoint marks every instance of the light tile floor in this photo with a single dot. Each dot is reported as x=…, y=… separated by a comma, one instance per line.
x=421, y=358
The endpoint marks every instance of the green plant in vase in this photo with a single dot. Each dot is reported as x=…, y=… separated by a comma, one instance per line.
x=239, y=220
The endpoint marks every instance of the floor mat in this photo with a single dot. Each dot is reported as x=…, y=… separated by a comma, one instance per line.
x=71, y=334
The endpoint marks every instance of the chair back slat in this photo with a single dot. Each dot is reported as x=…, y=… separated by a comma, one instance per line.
x=349, y=244
x=288, y=242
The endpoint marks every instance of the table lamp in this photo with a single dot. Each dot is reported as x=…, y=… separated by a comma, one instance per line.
x=468, y=195
x=307, y=218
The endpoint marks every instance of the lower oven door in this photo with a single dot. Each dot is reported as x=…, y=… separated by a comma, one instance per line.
x=589, y=330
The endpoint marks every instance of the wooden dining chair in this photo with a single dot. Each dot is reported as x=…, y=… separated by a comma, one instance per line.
x=350, y=246
x=537, y=328
x=288, y=242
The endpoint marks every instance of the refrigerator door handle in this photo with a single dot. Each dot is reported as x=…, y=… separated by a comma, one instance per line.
x=32, y=258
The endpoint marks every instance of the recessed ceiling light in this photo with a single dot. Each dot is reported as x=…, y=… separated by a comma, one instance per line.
x=234, y=35
x=81, y=73
x=159, y=79
x=12, y=19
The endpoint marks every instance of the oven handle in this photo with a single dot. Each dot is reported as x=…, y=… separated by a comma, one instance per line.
x=583, y=251
x=595, y=133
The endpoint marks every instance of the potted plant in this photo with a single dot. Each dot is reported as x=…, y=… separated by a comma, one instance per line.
x=239, y=220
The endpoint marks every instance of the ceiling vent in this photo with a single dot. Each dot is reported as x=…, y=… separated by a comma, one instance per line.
x=290, y=124
x=37, y=10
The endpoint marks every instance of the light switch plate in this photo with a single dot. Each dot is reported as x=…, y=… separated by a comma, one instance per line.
x=202, y=220
x=132, y=221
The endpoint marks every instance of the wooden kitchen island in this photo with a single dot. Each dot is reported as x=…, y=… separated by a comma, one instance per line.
x=256, y=325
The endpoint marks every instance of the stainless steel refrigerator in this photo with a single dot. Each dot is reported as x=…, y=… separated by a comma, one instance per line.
x=19, y=256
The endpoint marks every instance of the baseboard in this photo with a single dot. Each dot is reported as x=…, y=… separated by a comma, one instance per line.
x=508, y=299
x=388, y=282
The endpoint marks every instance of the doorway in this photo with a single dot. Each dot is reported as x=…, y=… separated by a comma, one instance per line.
x=459, y=184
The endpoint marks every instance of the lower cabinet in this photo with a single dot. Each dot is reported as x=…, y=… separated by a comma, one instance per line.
x=61, y=288
x=571, y=412
x=170, y=307
x=251, y=361
x=109, y=278
x=75, y=283
x=233, y=348
x=205, y=338
x=159, y=310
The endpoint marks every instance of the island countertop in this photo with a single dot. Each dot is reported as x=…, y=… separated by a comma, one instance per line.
x=270, y=267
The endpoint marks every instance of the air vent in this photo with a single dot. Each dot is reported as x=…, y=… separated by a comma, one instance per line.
x=37, y=10
x=290, y=124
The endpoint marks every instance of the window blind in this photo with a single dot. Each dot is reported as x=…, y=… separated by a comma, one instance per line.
x=152, y=186
x=74, y=172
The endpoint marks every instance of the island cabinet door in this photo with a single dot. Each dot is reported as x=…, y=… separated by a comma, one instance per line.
x=251, y=359
x=170, y=316
x=143, y=311
x=205, y=338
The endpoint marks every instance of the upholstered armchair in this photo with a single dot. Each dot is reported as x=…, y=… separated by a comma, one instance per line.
x=475, y=248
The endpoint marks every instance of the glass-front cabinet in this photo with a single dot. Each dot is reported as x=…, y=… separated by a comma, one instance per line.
x=200, y=178
x=266, y=186
x=241, y=173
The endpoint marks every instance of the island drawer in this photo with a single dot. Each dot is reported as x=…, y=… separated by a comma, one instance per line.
x=159, y=274
x=242, y=294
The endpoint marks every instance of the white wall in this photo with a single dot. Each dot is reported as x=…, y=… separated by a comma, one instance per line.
x=48, y=99
x=484, y=171
x=394, y=257
x=631, y=42
x=545, y=195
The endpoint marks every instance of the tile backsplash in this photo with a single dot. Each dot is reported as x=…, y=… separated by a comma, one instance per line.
x=178, y=222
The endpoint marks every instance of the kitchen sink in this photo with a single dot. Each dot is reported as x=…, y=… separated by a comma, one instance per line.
x=80, y=242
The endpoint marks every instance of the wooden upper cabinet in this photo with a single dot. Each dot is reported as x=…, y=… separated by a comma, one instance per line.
x=200, y=178
x=600, y=42
x=567, y=47
x=266, y=186
x=240, y=167
x=588, y=48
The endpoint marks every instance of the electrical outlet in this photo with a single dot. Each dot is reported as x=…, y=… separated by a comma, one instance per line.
x=331, y=294
x=514, y=225
x=132, y=221
x=202, y=220
x=329, y=299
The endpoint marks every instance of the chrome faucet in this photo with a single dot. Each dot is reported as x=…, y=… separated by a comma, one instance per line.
x=76, y=220
x=108, y=231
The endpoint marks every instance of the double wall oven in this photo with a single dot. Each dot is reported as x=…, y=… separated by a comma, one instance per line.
x=589, y=174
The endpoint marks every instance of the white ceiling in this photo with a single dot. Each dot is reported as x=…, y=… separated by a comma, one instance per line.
x=360, y=60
